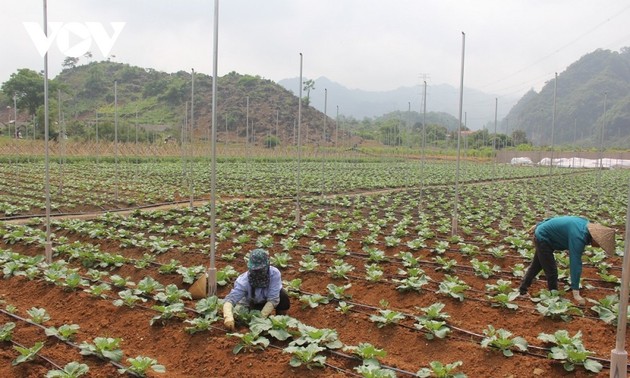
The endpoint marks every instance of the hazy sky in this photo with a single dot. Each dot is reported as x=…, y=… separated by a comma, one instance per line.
x=511, y=45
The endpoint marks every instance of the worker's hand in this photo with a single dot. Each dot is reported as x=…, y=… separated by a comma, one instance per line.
x=228, y=316
x=267, y=310
x=578, y=298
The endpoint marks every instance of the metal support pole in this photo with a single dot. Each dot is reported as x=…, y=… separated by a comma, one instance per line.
x=299, y=149
x=324, y=142
x=212, y=271
x=191, y=187
x=61, y=141
x=115, y=140
x=136, y=149
x=424, y=141
x=459, y=131
x=553, y=126
x=247, y=146
x=619, y=356
x=601, y=151
x=494, y=140
x=48, y=243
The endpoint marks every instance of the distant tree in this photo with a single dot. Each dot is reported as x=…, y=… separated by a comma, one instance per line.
x=479, y=138
x=271, y=141
x=70, y=62
x=390, y=132
x=28, y=87
x=519, y=137
x=308, y=86
x=76, y=129
x=53, y=116
x=435, y=133
x=95, y=83
x=176, y=92
x=88, y=55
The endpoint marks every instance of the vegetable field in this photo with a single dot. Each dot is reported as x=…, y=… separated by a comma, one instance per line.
x=379, y=284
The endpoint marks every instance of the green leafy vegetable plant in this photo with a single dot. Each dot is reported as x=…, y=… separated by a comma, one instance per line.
x=140, y=366
x=107, y=348
x=338, y=292
x=249, y=342
x=38, y=315
x=166, y=312
x=172, y=294
x=65, y=332
x=501, y=340
x=570, y=351
x=70, y=370
x=440, y=370
x=27, y=354
x=312, y=300
x=340, y=269
x=387, y=317
x=319, y=336
x=278, y=326
x=6, y=331
x=452, y=286
x=552, y=305
x=306, y=355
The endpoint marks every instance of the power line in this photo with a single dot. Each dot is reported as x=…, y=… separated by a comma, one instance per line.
x=560, y=48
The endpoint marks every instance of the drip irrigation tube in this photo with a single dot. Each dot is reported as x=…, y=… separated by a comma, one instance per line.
x=68, y=342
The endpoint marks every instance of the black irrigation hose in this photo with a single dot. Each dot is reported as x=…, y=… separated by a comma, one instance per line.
x=355, y=358
x=605, y=362
x=95, y=213
x=280, y=198
x=326, y=364
x=68, y=342
x=346, y=372
x=390, y=276
x=465, y=268
x=429, y=279
x=354, y=303
x=38, y=354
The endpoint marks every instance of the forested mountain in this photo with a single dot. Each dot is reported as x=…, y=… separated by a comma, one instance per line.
x=159, y=101
x=592, y=93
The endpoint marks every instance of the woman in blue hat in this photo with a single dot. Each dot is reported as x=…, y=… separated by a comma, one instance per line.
x=260, y=288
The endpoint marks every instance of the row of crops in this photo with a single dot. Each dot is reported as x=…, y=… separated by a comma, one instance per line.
x=82, y=185
x=379, y=284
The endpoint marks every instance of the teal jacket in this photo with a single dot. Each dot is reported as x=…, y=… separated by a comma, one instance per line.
x=567, y=233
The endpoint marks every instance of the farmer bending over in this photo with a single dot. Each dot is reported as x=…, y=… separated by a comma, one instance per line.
x=260, y=288
x=560, y=234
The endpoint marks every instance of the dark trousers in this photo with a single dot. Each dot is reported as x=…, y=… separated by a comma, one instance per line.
x=283, y=306
x=543, y=261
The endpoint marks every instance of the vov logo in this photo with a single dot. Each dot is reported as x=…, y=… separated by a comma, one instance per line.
x=82, y=34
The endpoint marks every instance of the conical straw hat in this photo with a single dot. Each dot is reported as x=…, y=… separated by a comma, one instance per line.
x=199, y=289
x=603, y=236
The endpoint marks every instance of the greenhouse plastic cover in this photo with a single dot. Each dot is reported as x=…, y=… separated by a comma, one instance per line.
x=576, y=162
x=522, y=161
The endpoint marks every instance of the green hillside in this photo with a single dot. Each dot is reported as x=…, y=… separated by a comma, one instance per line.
x=581, y=91
x=158, y=101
